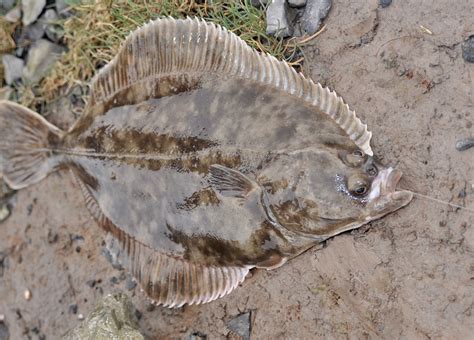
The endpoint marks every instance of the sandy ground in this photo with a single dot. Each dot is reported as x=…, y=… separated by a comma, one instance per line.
x=409, y=275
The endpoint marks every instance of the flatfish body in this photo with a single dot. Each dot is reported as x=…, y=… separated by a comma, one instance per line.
x=204, y=159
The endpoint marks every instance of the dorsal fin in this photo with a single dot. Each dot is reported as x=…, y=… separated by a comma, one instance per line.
x=167, y=54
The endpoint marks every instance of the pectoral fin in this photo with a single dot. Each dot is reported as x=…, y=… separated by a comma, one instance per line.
x=231, y=183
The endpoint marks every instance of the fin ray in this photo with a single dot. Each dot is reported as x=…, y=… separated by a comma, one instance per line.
x=168, y=281
x=168, y=49
x=27, y=146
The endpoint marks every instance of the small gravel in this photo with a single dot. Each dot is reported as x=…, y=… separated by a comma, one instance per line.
x=464, y=144
x=468, y=49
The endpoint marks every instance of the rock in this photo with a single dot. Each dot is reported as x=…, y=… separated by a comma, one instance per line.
x=13, y=68
x=73, y=308
x=313, y=15
x=42, y=56
x=54, y=32
x=464, y=144
x=241, y=325
x=13, y=15
x=297, y=3
x=468, y=49
x=130, y=284
x=4, y=212
x=32, y=33
x=385, y=3
x=259, y=3
x=112, y=252
x=113, y=318
x=277, y=21
x=63, y=8
x=31, y=10
x=6, y=5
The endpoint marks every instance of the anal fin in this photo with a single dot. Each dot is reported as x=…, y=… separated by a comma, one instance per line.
x=167, y=280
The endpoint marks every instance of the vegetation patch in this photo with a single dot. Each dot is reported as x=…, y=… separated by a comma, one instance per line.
x=95, y=30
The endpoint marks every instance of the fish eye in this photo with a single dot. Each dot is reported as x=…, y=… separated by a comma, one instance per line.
x=358, y=185
x=372, y=171
x=356, y=158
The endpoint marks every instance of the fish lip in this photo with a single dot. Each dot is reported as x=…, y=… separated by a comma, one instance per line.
x=392, y=180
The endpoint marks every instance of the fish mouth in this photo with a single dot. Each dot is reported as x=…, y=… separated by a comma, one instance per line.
x=385, y=196
x=392, y=180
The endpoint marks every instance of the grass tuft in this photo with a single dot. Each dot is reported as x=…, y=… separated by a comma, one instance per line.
x=95, y=31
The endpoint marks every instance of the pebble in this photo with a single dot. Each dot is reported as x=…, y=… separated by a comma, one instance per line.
x=42, y=56
x=297, y=3
x=385, y=3
x=241, y=325
x=314, y=13
x=464, y=144
x=111, y=251
x=62, y=7
x=73, y=308
x=13, y=15
x=13, y=68
x=130, y=284
x=468, y=49
x=33, y=32
x=27, y=294
x=4, y=212
x=80, y=317
x=259, y=3
x=31, y=10
x=6, y=5
x=277, y=21
x=53, y=31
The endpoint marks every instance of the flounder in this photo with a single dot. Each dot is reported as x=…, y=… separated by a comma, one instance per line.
x=204, y=158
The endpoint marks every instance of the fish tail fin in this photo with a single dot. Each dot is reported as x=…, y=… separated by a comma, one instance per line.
x=27, y=144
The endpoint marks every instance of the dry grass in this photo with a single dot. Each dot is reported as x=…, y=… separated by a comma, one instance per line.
x=94, y=33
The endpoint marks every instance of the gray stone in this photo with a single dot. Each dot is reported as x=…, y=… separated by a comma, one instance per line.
x=385, y=3
x=314, y=13
x=297, y=3
x=6, y=5
x=13, y=68
x=42, y=56
x=241, y=325
x=464, y=144
x=259, y=3
x=54, y=32
x=277, y=20
x=112, y=252
x=13, y=15
x=114, y=317
x=468, y=49
x=31, y=10
x=34, y=32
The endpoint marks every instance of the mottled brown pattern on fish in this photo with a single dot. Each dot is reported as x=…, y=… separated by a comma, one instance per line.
x=209, y=250
x=140, y=92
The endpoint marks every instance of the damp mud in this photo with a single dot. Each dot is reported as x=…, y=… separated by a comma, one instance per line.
x=408, y=275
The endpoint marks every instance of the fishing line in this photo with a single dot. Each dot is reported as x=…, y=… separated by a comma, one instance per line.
x=441, y=202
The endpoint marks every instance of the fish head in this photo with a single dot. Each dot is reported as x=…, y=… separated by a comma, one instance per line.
x=329, y=192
